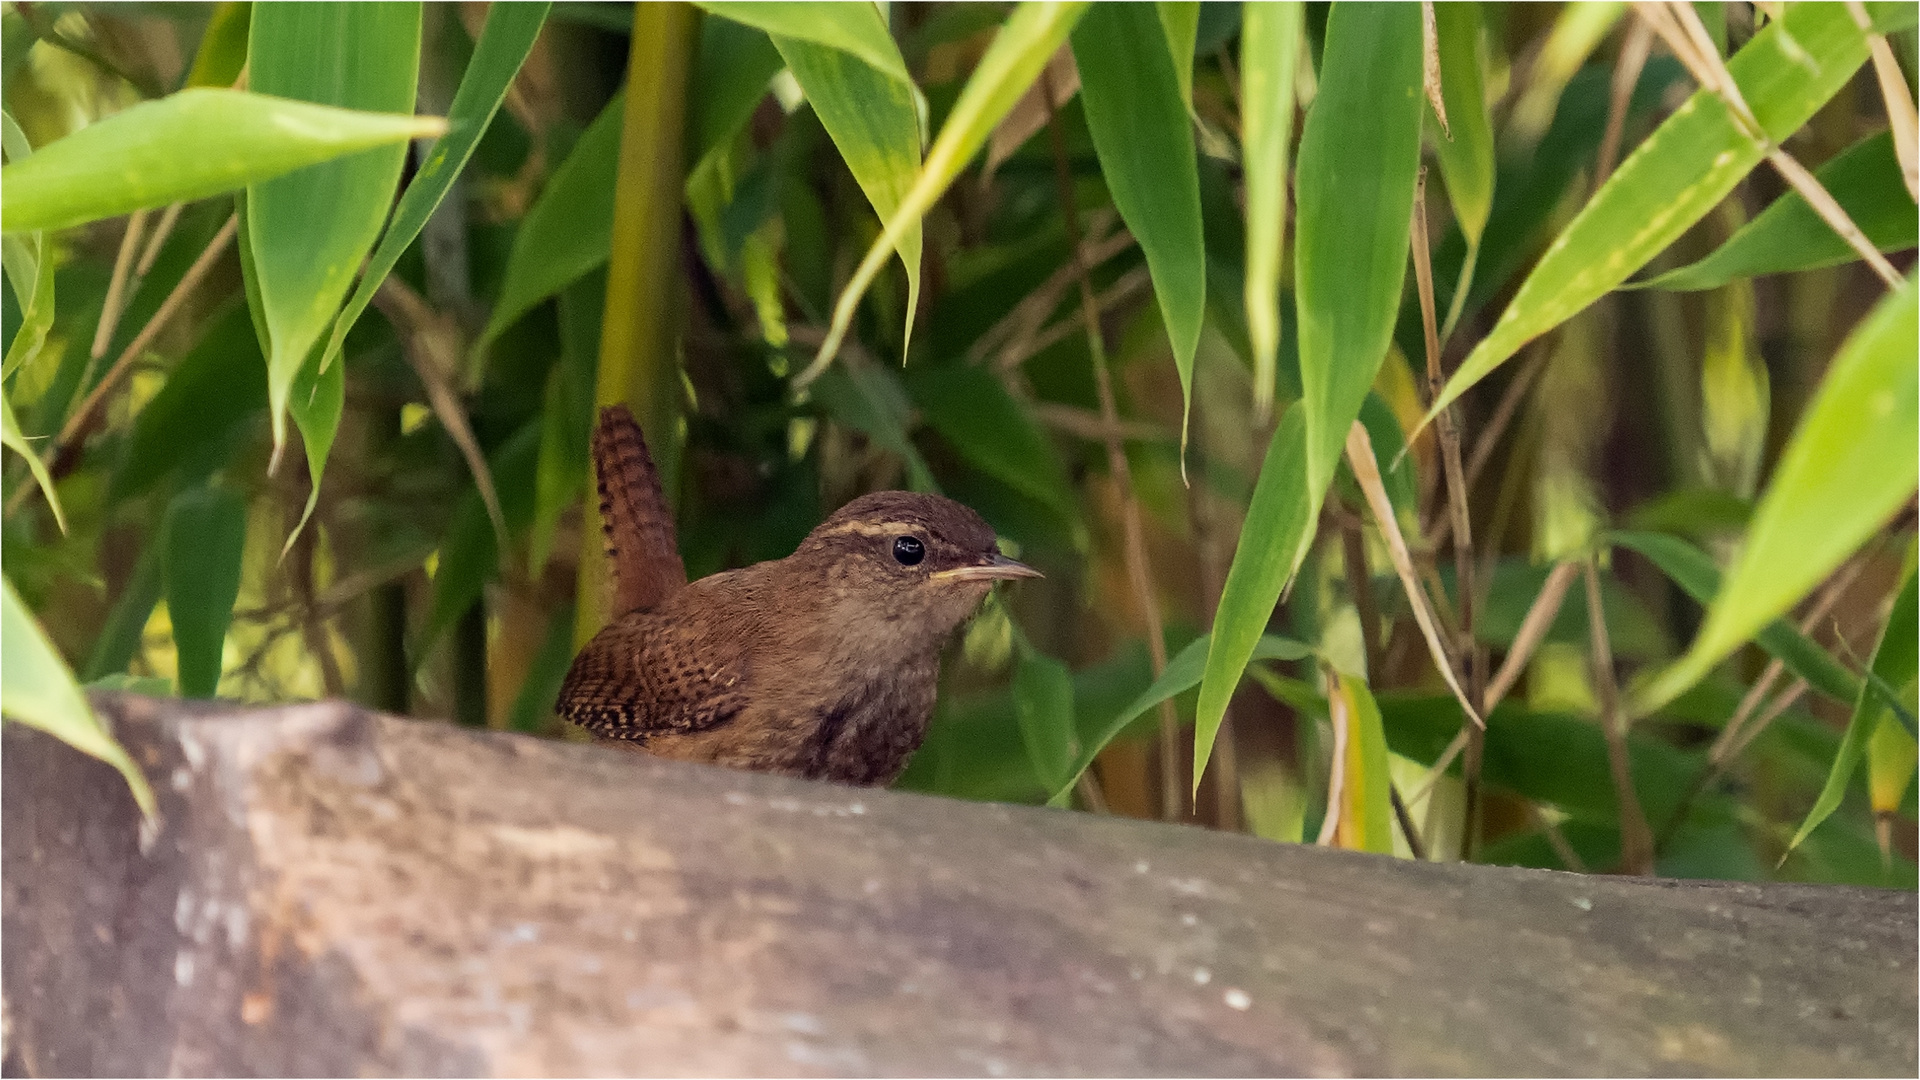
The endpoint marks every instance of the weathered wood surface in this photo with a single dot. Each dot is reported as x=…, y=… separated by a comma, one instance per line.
x=335, y=892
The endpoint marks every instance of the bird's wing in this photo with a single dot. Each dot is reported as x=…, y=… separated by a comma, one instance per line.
x=643, y=675
x=640, y=537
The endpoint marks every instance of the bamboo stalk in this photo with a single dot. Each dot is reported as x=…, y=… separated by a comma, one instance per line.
x=639, y=364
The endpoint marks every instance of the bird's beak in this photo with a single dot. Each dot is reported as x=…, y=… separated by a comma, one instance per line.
x=994, y=568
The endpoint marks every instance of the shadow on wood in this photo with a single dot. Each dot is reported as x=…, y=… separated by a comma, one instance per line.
x=336, y=892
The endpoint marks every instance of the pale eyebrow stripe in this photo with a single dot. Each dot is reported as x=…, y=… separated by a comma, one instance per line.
x=866, y=528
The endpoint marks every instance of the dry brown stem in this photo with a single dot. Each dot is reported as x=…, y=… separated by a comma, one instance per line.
x=1173, y=788
x=431, y=341
x=67, y=447
x=116, y=299
x=1636, y=836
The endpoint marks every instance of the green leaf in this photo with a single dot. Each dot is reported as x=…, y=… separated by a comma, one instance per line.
x=311, y=230
x=872, y=116
x=505, y=41
x=869, y=399
x=1269, y=49
x=1043, y=702
x=564, y=468
x=1180, y=20
x=1181, y=674
x=1848, y=466
x=120, y=636
x=1397, y=467
x=470, y=553
x=1366, y=812
x=1550, y=757
x=1790, y=235
x=1693, y=570
x=1010, y=66
x=569, y=230
x=38, y=690
x=222, y=54
x=993, y=432
x=1465, y=148
x=1786, y=72
x=30, y=271
x=856, y=28
x=10, y=436
x=191, y=145
x=1273, y=539
x=562, y=462
x=1894, y=662
x=216, y=386
x=1359, y=151
x=1138, y=120
x=735, y=64
x=316, y=400
x=206, y=535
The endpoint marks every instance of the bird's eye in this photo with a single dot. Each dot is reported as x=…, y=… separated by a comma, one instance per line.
x=908, y=550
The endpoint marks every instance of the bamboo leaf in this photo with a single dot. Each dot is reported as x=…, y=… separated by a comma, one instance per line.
x=1786, y=72
x=1465, y=150
x=1043, y=703
x=1789, y=235
x=1891, y=755
x=1359, y=151
x=1181, y=674
x=869, y=399
x=733, y=68
x=206, y=535
x=1366, y=811
x=1693, y=570
x=872, y=116
x=1269, y=48
x=222, y=54
x=29, y=270
x=310, y=230
x=191, y=145
x=37, y=689
x=569, y=230
x=1135, y=113
x=856, y=29
x=1180, y=21
x=120, y=635
x=505, y=41
x=29, y=254
x=216, y=386
x=1894, y=661
x=10, y=437
x=1273, y=539
x=1849, y=464
x=470, y=552
x=1011, y=64
x=316, y=400
x=993, y=432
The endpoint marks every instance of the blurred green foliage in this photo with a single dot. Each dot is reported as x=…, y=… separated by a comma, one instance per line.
x=1647, y=316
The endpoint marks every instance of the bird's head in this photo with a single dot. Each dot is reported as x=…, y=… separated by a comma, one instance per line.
x=921, y=563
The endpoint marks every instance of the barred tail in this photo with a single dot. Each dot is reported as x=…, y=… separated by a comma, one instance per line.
x=641, y=543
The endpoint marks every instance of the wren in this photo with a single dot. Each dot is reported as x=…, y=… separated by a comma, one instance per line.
x=821, y=665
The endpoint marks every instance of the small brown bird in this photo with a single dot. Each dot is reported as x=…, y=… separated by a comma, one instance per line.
x=822, y=664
